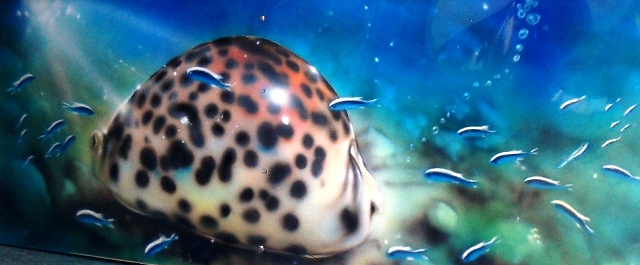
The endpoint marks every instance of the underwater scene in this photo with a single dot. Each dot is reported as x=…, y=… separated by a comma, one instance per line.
x=322, y=132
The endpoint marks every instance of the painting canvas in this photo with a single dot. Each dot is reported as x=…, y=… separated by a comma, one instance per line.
x=320, y=132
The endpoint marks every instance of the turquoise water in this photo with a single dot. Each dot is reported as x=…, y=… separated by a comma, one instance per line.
x=435, y=67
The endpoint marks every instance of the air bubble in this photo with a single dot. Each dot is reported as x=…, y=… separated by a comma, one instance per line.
x=424, y=139
x=519, y=6
x=411, y=147
x=264, y=171
x=522, y=13
x=526, y=7
x=516, y=58
x=261, y=249
x=408, y=159
x=435, y=129
x=497, y=76
x=488, y=83
x=466, y=95
x=519, y=47
x=533, y=19
x=476, y=84
x=376, y=59
x=448, y=114
x=443, y=120
x=523, y=33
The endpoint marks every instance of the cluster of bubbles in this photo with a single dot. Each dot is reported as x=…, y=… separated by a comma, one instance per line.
x=531, y=19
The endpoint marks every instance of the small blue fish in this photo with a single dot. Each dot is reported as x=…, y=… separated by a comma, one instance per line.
x=21, y=83
x=475, y=131
x=619, y=172
x=348, y=103
x=571, y=102
x=79, y=108
x=543, y=183
x=510, y=156
x=630, y=109
x=31, y=157
x=610, y=141
x=578, y=152
x=614, y=124
x=608, y=106
x=159, y=245
x=55, y=149
x=572, y=214
x=448, y=176
x=24, y=116
x=478, y=250
x=55, y=127
x=67, y=143
x=93, y=218
x=625, y=127
x=406, y=253
x=22, y=135
x=204, y=75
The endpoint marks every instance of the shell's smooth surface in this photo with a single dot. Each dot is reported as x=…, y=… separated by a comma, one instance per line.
x=263, y=164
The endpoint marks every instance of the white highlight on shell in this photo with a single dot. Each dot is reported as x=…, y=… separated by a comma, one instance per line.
x=285, y=120
x=278, y=95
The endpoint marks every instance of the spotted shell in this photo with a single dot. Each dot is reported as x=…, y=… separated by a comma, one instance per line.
x=265, y=163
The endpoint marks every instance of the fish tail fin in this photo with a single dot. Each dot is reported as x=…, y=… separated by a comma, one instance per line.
x=589, y=229
x=110, y=222
x=473, y=185
x=534, y=151
x=569, y=187
x=373, y=102
x=65, y=105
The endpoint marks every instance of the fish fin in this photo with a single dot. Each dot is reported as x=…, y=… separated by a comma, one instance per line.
x=473, y=185
x=589, y=229
x=373, y=101
x=562, y=164
x=66, y=105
